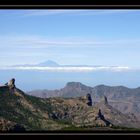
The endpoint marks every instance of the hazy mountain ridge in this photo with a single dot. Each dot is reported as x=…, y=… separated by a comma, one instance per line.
x=112, y=92
x=51, y=63
x=48, y=63
x=127, y=100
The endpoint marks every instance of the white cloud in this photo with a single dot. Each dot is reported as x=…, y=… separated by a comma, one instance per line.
x=41, y=40
x=74, y=12
x=29, y=13
x=71, y=69
x=32, y=41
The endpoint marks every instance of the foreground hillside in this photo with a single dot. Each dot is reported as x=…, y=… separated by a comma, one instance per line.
x=21, y=112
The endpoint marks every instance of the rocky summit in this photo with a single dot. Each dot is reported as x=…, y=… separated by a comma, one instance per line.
x=22, y=112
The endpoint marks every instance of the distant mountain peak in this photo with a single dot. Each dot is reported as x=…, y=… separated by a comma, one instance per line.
x=73, y=84
x=100, y=86
x=48, y=63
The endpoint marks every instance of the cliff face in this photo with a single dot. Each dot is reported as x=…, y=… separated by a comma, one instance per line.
x=76, y=111
x=19, y=111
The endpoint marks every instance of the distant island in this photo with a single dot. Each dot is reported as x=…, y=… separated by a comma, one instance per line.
x=51, y=63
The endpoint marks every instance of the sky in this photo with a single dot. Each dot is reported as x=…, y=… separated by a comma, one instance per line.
x=73, y=37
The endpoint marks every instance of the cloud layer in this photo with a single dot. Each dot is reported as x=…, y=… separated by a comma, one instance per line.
x=34, y=13
x=32, y=41
x=71, y=69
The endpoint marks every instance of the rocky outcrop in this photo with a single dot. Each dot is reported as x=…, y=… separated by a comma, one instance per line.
x=101, y=117
x=104, y=100
x=86, y=99
x=77, y=112
x=10, y=87
x=11, y=83
x=89, y=100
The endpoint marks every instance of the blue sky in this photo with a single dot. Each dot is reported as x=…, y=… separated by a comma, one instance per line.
x=92, y=37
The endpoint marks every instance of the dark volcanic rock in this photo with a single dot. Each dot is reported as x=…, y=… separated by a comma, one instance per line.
x=86, y=99
x=101, y=116
x=89, y=100
x=104, y=100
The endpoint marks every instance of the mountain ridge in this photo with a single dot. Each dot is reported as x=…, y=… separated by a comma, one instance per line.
x=42, y=64
x=51, y=63
x=79, y=84
x=19, y=111
x=120, y=97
